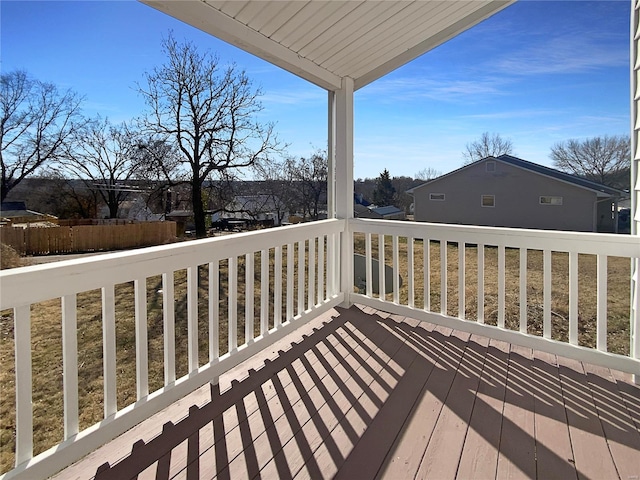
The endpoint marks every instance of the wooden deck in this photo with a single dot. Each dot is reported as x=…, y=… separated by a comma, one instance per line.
x=359, y=394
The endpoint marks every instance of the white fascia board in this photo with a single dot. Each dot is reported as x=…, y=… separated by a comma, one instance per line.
x=432, y=42
x=210, y=20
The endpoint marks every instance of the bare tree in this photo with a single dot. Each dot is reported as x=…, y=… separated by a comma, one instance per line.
x=488, y=145
x=605, y=160
x=107, y=158
x=276, y=183
x=35, y=121
x=428, y=173
x=207, y=113
x=310, y=179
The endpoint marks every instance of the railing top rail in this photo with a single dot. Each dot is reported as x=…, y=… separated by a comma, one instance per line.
x=559, y=241
x=27, y=285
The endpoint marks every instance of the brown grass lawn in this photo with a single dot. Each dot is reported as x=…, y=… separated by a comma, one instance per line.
x=46, y=328
x=618, y=292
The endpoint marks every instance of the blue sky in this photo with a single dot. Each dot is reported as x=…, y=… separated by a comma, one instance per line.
x=537, y=73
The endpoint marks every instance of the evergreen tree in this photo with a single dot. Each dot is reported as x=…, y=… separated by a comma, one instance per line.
x=385, y=192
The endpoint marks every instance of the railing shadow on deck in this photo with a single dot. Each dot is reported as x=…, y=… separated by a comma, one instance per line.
x=383, y=368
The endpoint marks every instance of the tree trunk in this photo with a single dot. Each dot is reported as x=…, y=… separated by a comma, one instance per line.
x=113, y=204
x=198, y=210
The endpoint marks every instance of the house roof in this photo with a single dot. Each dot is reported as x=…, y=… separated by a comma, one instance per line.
x=388, y=210
x=324, y=41
x=17, y=210
x=563, y=176
x=600, y=189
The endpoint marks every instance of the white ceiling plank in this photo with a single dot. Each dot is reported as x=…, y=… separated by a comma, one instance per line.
x=373, y=22
x=289, y=11
x=230, y=7
x=414, y=31
x=359, y=22
x=252, y=12
x=432, y=42
x=214, y=22
x=374, y=40
x=286, y=34
x=331, y=13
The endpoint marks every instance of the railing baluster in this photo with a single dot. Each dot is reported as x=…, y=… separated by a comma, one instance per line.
x=331, y=265
x=277, y=294
x=396, y=270
x=573, y=298
x=426, y=267
x=381, y=272
x=461, y=276
x=443, y=277
x=367, y=263
x=24, y=385
x=602, y=304
x=169, y=324
x=70, y=364
x=109, y=349
x=546, y=296
x=501, y=286
x=410, y=273
x=301, y=273
x=264, y=292
x=321, y=270
x=480, y=312
x=248, y=297
x=232, y=304
x=142, y=354
x=635, y=318
x=192, y=318
x=290, y=275
x=214, y=311
x=523, y=290
x=312, y=273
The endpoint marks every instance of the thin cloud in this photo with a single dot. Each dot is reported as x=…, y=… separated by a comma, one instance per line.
x=410, y=89
x=567, y=54
x=511, y=114
x=294, y=97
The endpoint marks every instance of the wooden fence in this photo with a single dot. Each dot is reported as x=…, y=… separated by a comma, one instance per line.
x=86, y=238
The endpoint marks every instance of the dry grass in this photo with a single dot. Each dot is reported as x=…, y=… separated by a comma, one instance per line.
x=9, y=258
x=46, y=328
x=618, y=293
x=46, y=339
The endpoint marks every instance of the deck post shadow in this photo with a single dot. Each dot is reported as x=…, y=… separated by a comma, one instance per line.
x=372, y=395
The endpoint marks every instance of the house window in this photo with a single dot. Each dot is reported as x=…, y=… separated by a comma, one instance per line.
x=550, y=200
x=491, y=166
x=437, y=196
x=488, y=200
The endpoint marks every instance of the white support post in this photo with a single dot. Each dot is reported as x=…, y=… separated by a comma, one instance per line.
x=341, y=135
x=331, y=156
x=635, y=177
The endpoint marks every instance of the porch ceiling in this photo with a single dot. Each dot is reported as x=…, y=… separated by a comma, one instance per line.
x=324, y=41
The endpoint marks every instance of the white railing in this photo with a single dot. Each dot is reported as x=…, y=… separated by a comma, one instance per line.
x=219, y=301
x=291, y=272
x=522, y=273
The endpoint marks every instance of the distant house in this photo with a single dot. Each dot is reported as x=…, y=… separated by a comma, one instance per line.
x=17, y=213
x=389, y=212
x=262, y=208
x=510, y=192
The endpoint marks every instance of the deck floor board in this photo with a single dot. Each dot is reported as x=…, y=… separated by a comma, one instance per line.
x=359, y=393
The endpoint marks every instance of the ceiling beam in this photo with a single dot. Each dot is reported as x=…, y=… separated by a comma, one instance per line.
x=212, y=21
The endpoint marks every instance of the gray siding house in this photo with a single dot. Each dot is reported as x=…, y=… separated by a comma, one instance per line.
x=506, y=191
